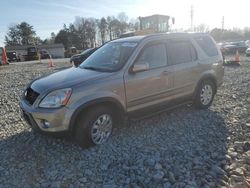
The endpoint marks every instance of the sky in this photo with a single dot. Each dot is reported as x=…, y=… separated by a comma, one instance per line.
x=48, y=16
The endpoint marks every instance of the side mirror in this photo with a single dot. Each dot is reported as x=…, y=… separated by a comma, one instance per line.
x=140, y=66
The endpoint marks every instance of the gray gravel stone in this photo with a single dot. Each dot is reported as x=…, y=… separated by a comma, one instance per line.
x=171, y=177
x=83, y=180
x=167, y=185
x=158, y=175
x=218, y=170
x=197, y=148
x=149, y=162
x=158, y=166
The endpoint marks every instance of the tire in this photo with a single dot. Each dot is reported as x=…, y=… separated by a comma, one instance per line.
x=86, y=133
x=205, y=94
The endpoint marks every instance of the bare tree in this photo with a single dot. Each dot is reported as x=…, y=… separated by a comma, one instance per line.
x=202, y=28
x=103, y=27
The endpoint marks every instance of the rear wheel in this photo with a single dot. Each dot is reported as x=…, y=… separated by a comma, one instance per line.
x=205, y=94
x=94, y=127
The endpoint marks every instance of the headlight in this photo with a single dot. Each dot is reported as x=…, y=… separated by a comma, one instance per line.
x=56, y=98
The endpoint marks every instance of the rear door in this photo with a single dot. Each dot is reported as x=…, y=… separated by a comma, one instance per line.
x=183, y=57
x=152, y=86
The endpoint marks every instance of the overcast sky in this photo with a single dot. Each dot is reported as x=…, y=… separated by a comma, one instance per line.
x=49, y=15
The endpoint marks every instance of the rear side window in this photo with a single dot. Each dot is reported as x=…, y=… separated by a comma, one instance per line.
x=154, y=55
x=207, y=45
x=181, y=52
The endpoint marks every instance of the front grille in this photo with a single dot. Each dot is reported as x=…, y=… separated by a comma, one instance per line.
x=31, y=95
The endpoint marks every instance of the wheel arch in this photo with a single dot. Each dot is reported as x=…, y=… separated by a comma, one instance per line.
x=210, y=77
x=107, y=101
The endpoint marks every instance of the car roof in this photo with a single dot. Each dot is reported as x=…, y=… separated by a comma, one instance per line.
x=130, y=39
x=167, y=35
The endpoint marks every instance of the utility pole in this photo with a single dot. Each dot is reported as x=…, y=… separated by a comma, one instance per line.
x=222, y=27
x=222, y=24
x=191, y=17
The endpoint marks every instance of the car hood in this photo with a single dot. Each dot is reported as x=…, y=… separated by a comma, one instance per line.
x=66, y=78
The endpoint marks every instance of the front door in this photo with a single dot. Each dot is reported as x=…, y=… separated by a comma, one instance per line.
x=152, y=86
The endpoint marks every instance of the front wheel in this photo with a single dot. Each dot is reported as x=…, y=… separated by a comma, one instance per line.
x=205, y=94
x=94, y=127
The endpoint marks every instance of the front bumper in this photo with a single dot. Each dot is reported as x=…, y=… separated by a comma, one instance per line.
x=58, y=119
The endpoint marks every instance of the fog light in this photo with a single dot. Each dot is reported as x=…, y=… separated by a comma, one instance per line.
x=45, y=124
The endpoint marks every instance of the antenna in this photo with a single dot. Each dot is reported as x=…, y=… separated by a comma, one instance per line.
x=192, y=16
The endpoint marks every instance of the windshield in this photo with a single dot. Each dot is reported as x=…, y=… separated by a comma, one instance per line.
x=111, y=57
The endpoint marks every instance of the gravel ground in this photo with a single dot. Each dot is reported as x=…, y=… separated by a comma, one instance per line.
x=182, y=148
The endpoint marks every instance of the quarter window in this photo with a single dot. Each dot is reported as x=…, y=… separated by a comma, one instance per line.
x=207, y=45
x=154, y=55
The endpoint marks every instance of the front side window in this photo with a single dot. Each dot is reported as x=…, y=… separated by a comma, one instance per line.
x=110, y=57
x=154, y=55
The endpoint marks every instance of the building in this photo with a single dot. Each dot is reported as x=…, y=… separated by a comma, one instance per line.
x=55, y=50
x=160, y=23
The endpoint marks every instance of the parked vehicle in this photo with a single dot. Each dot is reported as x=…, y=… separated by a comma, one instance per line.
x=247, y=42
x=44, y=54
x=234, y=46
x=71, y=51
x=32, y=54
x=248, y=52
x=12, y=56
x=79, y=58
x=123, y=78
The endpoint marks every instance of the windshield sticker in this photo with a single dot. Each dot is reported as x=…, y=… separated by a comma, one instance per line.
x=129, y=44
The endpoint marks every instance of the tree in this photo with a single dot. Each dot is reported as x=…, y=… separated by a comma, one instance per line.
x=21, y=34
x=26, y=32
x=13, y=37
x=134, y=25
x=50, y=40
x=86, y=31
x=62, y=37
x=202, y=28
x=103, y=27
x=225, y=35
x=114, y=27
x=123, y=19
x=216, y=34
x=91, y=31
x=247, y=33
x=110, y=26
